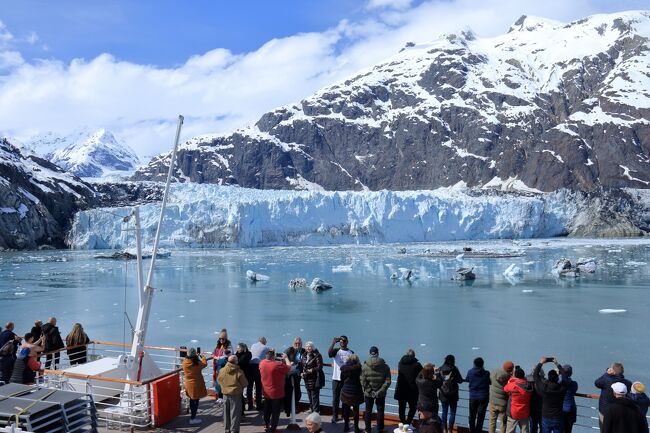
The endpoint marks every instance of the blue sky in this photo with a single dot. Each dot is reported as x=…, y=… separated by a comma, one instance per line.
x=132, y=66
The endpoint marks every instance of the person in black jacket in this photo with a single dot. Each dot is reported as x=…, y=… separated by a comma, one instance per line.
x=612, y=375
x=53, y=341
x=552, y=392
x=428, y=382
x=622, y=415
x=37, y=330
x=406, y=391
x=9, y=342
x=295, y=354
x=448, y=392
x=479, y=395
x=244, y=362
x=351, y=392
x=313, y=375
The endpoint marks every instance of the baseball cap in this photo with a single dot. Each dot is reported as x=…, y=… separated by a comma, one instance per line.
x=619, y=388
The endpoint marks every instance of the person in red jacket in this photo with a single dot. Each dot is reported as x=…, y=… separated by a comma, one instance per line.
x=273, y=372
x=520, y=391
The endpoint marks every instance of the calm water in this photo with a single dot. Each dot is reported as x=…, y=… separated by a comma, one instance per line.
x=201, y=291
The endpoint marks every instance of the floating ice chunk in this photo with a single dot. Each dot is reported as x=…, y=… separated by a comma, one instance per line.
x=163, y=320
x=20, y=293
x=513, y=271
x=528, y=263
x=464, y=274
x=612, y=311
x=527, y=291
x=564, y=268
x=181, y=316
x=460, y=256
x=255, y=277
x=194, y=341
x=407, y=274
x=296, y=283
x=614, y=251
x=587, y=265
x=318, y=285
x=634, y=263
x=342, y=268
x=475, y=348
x=191, y=301
x=423, y=344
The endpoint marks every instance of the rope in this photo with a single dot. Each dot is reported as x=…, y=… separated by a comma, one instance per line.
x=23, y=410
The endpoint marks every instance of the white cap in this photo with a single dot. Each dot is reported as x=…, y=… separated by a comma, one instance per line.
x=619, y=388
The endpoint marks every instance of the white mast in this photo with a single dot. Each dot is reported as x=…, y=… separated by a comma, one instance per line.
x=146, y=293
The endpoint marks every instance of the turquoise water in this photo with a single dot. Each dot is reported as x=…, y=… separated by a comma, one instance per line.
x=201, y=291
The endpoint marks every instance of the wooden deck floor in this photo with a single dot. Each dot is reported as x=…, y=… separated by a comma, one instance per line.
x=212, y=416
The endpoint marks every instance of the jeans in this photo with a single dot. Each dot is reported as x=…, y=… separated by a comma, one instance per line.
x=272, y=409
x=257, y=381
x=451, y=408
x=336, y=397
x=232, y=413
x=552, y=425
x=497, y=412
x=568, y=419
x=346, y=415
x=477, y=409
x=367, y=416
x=314, y=399
x=403, y=418
x=535, y=422
x=523, y=425
x=194, y=407
x=290, y=388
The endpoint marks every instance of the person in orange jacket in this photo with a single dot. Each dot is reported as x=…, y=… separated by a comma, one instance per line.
x=520, y=391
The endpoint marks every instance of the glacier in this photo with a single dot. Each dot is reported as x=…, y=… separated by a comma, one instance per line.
x=208, y=215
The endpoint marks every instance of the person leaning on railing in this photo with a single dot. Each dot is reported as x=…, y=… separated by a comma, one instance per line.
x=53, y=342
x=76, y=342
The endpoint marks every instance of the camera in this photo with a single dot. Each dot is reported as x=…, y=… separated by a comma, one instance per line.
x=198, y=351
x=279, y=357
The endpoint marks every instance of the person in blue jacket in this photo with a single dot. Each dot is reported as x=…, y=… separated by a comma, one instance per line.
x=479, y=395
x=612, y=375
x=569, y=411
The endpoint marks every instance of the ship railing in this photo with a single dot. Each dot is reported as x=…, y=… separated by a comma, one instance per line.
x=120, y=403
x=586, y=418
x=139, y=401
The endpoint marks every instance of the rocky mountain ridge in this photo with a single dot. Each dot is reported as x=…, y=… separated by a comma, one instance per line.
x=37, y=200
x=84, y=152
x=546, y=106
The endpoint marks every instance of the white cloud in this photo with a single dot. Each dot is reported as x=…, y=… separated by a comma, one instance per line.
x=31, y=38
x=393, y=4
x=5, y=35
x=218, y=91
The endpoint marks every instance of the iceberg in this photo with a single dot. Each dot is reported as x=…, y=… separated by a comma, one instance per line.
x=207, y=215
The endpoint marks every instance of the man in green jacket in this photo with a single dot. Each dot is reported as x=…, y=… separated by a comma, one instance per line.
x=375, y=380
x=498, y=397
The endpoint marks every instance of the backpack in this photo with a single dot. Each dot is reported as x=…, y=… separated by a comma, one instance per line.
x=8, y=348
x=449, y=388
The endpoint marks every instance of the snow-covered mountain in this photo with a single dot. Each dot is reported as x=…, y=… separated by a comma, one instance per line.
x=545, y=106
x=37, y=200
x=85, y=152
x=227, y=216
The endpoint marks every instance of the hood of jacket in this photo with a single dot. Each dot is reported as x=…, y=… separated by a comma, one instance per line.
x=230, y=368
x=408, y=360
x=47, y=327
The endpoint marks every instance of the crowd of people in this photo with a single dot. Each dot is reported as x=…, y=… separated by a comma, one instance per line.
x=269, y=381
x=530, y=403
x=20, y=355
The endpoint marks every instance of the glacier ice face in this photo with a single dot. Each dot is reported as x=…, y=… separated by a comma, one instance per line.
x=206, y=215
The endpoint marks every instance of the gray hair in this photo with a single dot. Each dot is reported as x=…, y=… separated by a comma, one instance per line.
x=310, y=343
x=314, y=417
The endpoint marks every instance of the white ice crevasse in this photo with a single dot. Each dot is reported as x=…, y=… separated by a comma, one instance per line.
x=203, y=215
